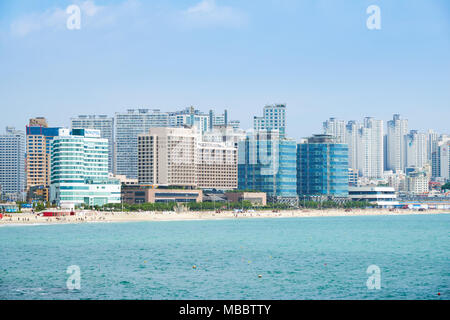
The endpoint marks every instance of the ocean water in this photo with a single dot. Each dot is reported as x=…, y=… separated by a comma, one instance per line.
x=297, y=258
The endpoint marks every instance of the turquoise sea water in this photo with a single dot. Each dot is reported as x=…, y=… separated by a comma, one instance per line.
x=298, y=258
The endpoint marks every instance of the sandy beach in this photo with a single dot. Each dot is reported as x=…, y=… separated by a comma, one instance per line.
x=94, y=216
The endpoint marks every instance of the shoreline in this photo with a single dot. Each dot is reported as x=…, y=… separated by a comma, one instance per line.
x=26, y=219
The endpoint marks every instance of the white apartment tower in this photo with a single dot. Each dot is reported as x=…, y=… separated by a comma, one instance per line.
x=371, y=149
x=352, y=138
x=397, y=129
x=365, y=144
x=432, y=139
x=335, y=128
x=416, y=149
x=441, y=159
x=12, y=164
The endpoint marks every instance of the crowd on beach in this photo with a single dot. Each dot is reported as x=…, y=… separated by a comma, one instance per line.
x=110, y=216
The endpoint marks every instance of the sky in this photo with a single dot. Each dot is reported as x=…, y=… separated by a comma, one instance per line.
x=316, y=56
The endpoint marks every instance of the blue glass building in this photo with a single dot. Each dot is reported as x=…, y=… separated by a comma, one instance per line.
x=322, y=167
x=268, y=164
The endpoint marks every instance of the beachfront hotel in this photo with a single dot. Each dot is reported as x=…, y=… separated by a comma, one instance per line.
x=79, y=170
x=267, y=163
x=179, y=157
x=12, y=164
x=322, y=167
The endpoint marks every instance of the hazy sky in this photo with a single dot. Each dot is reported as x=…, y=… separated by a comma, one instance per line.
x=316, y=56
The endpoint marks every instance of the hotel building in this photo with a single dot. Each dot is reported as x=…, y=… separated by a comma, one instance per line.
x=135, y=122
x=267, y=163
x=322, y=167
x=179, y=157
x=79, y=170
x=12, y=165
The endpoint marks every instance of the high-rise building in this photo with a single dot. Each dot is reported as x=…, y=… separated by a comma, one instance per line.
x=397, y=129
x=267, y=163
x=128, y=126
x=179, y=157
x=218, y=120
x=38, y=155
x=335, y=128
x=217, y=165
x=12, y=164
x=106, y=126
x=352, y=138
x=371, y=149
x=444, y=154
x=79, y=172
x=416, y=149
x=274, y=118
x=322, y=167
x=441, y=159
x=134, y=122
x=432, y=138
x=365, y=144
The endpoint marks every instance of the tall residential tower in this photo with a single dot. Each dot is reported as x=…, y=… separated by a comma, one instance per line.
x=12, y=164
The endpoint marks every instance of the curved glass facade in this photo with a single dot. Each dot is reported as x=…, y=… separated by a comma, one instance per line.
x=79, y=171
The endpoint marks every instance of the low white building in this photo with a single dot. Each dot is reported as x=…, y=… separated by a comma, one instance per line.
x=379, y=196
x=418, y=184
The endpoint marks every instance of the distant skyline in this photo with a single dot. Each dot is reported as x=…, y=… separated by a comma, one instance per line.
x=315, y=56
